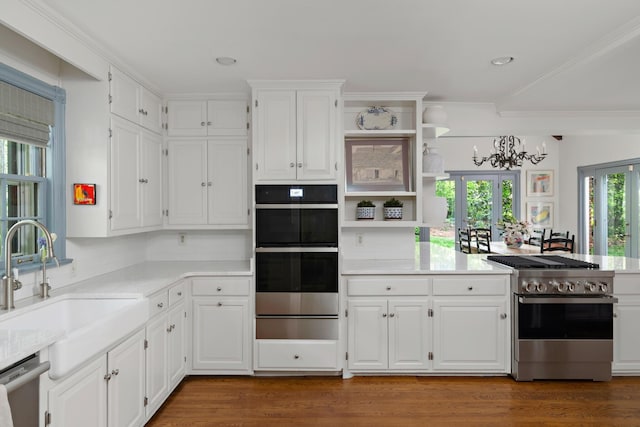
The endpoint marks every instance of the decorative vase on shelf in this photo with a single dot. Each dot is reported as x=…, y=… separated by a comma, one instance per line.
x=365, y=212
x=432, y=161
x=434, y=115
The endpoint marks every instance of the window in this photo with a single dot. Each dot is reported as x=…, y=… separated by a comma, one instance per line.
x=31, y=163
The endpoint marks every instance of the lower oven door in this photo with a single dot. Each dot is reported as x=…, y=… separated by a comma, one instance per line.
x=297, y=327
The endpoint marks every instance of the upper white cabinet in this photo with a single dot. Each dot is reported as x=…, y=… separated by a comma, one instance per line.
x=207, y=182
x=295, y=130
x=132, y=101
x=226, y=117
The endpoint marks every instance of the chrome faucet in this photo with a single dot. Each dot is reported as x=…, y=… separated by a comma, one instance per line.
x=9, y=284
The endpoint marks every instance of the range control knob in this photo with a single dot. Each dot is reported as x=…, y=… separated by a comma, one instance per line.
x=529, y=286
x=541, y=288
x=603, y=287
x=557, y=285
x=590, y=287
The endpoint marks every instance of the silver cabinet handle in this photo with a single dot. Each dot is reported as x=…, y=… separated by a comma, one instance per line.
x=160, y=305
x=107, y=377
x=503, y=316
x=392, y=315
x=115, y=371
x=384, y=314
x=141, y=111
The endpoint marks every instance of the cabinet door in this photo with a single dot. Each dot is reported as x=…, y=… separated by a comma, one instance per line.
x=81, y=399
x=409, y=335
x=227, y=117
x=125, y=187
x=151, y=176
x=126, y=365
x=187, y=181
x=124, y=96
x=187, y=118
x=626, y=345
x=316, y=134
x=367, y=336
x=275, y=127
x=176, y=345
x=220, y=334
x=150, y=111
x=227, y=173
x=470, y=335
x=157, y=385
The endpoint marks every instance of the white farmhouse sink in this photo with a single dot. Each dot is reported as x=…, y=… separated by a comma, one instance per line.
x=91, y=325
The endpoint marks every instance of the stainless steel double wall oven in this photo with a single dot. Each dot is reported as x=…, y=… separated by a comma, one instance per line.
x=296, y=261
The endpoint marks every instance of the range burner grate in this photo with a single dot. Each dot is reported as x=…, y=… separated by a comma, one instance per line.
x=542, y=262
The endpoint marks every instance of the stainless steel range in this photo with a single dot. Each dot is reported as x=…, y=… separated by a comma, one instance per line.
x=562, y=323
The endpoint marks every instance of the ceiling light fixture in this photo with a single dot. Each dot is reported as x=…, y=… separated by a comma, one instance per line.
x=502, y=60
x=226, y=60
x=509, y=152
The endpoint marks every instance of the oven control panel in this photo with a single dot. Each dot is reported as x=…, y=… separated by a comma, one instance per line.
x=567, y=286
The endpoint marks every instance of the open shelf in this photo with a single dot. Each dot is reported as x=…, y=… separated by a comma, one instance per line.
x=379, y=223
x=373, y=194
x=382, y=132
x=433, y=131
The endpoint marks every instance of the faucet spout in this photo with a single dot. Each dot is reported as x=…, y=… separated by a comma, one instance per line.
x=10, y=284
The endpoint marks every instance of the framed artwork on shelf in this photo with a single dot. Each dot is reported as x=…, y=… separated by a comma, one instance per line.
x=539, y=183
x=84, y=194
x=378, y=164
x=540, y=214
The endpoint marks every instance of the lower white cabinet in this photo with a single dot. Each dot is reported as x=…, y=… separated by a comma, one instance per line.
x=107, y=392
x=165, y=345
x=626, y=343
x=452, y=323
x=388, y=334
x=221, y=332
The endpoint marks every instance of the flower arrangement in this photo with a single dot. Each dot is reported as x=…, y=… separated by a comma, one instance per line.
x=42, y=245
x=513, y=231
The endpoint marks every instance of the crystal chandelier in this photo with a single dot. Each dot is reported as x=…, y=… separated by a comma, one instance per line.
x=509, y=152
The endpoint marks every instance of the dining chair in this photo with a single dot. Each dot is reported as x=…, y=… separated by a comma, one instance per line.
x=464, y=240
x=560, y=243
x=483, y=240
x=537, y=236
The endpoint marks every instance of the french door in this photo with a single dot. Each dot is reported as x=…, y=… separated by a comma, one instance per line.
x=614, y=212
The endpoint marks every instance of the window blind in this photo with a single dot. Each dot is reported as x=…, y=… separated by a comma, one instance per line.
x=25, y=116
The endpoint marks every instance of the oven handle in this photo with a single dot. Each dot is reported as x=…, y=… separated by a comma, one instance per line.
x=297, y=249
x=296, y=206
x=27, y=377
x=568, y=300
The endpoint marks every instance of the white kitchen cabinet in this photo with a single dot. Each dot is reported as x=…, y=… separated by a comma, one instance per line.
x=388, y=334
x=626, y=343
x=136, y=177
x=295, y=131
x=126, y=384
x=428, y=324
x=165, y=345
x=208, y=183
x=130, y=100
x=107, y=392
x=207, y=117
x=221, y=327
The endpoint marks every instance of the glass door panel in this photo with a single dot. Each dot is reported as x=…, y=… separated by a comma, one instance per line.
x=446, y=235
x=612, y=225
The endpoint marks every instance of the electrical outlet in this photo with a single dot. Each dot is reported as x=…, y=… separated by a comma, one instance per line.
x=182, y=237
x=359, y=239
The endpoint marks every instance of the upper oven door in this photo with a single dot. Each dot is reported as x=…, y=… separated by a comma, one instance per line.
x=560, y=317
x=296, y=226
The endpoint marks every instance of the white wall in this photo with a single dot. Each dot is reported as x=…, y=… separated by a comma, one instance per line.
x=199, y=245
x=21, y=54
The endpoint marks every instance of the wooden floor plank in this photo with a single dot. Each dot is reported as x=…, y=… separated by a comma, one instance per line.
x=399, y=401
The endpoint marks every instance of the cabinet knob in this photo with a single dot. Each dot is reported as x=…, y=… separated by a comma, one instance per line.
x=296, y=356
x=392, y=314
x=180, y=293
x=470, y=288
x=291, y=165
x=219, y=304
x=615, y=314
x=141, y=180
x=160, y=305
x=203, y=184
x=209, y=184
x=299, y=165
x=503, y=316
x=107, y=377
x=168, y=328
x=202, y=123
x=208, y=123
x=141, y=111
x=384, y=314
x=218, y=288
x=145, y=112
x=388, y=288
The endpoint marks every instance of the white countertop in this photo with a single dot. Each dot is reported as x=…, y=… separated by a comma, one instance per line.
x=434, y=259
x=138, y=281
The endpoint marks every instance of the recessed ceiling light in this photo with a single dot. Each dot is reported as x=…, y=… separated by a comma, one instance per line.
x=503, y=60
x=225, y=60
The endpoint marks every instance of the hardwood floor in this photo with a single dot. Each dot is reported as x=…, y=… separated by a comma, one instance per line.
x=399, y=401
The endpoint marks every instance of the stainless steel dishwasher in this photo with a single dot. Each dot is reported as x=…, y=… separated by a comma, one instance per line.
x=22, y=381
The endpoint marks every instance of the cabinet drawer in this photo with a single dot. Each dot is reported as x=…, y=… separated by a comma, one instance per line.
x=176, y=293
x=158, y=303
x=220, y=286
x=389, y=286
x=626, y=284
x=296, y=354
x=470, y=286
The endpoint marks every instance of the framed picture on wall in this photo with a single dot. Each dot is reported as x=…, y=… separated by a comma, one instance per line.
x=540, y=214
x=539, y=183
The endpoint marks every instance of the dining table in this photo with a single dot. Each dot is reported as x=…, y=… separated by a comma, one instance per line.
x=499, y=247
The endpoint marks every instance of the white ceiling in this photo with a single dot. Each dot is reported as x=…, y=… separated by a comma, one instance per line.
x=570, y=55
